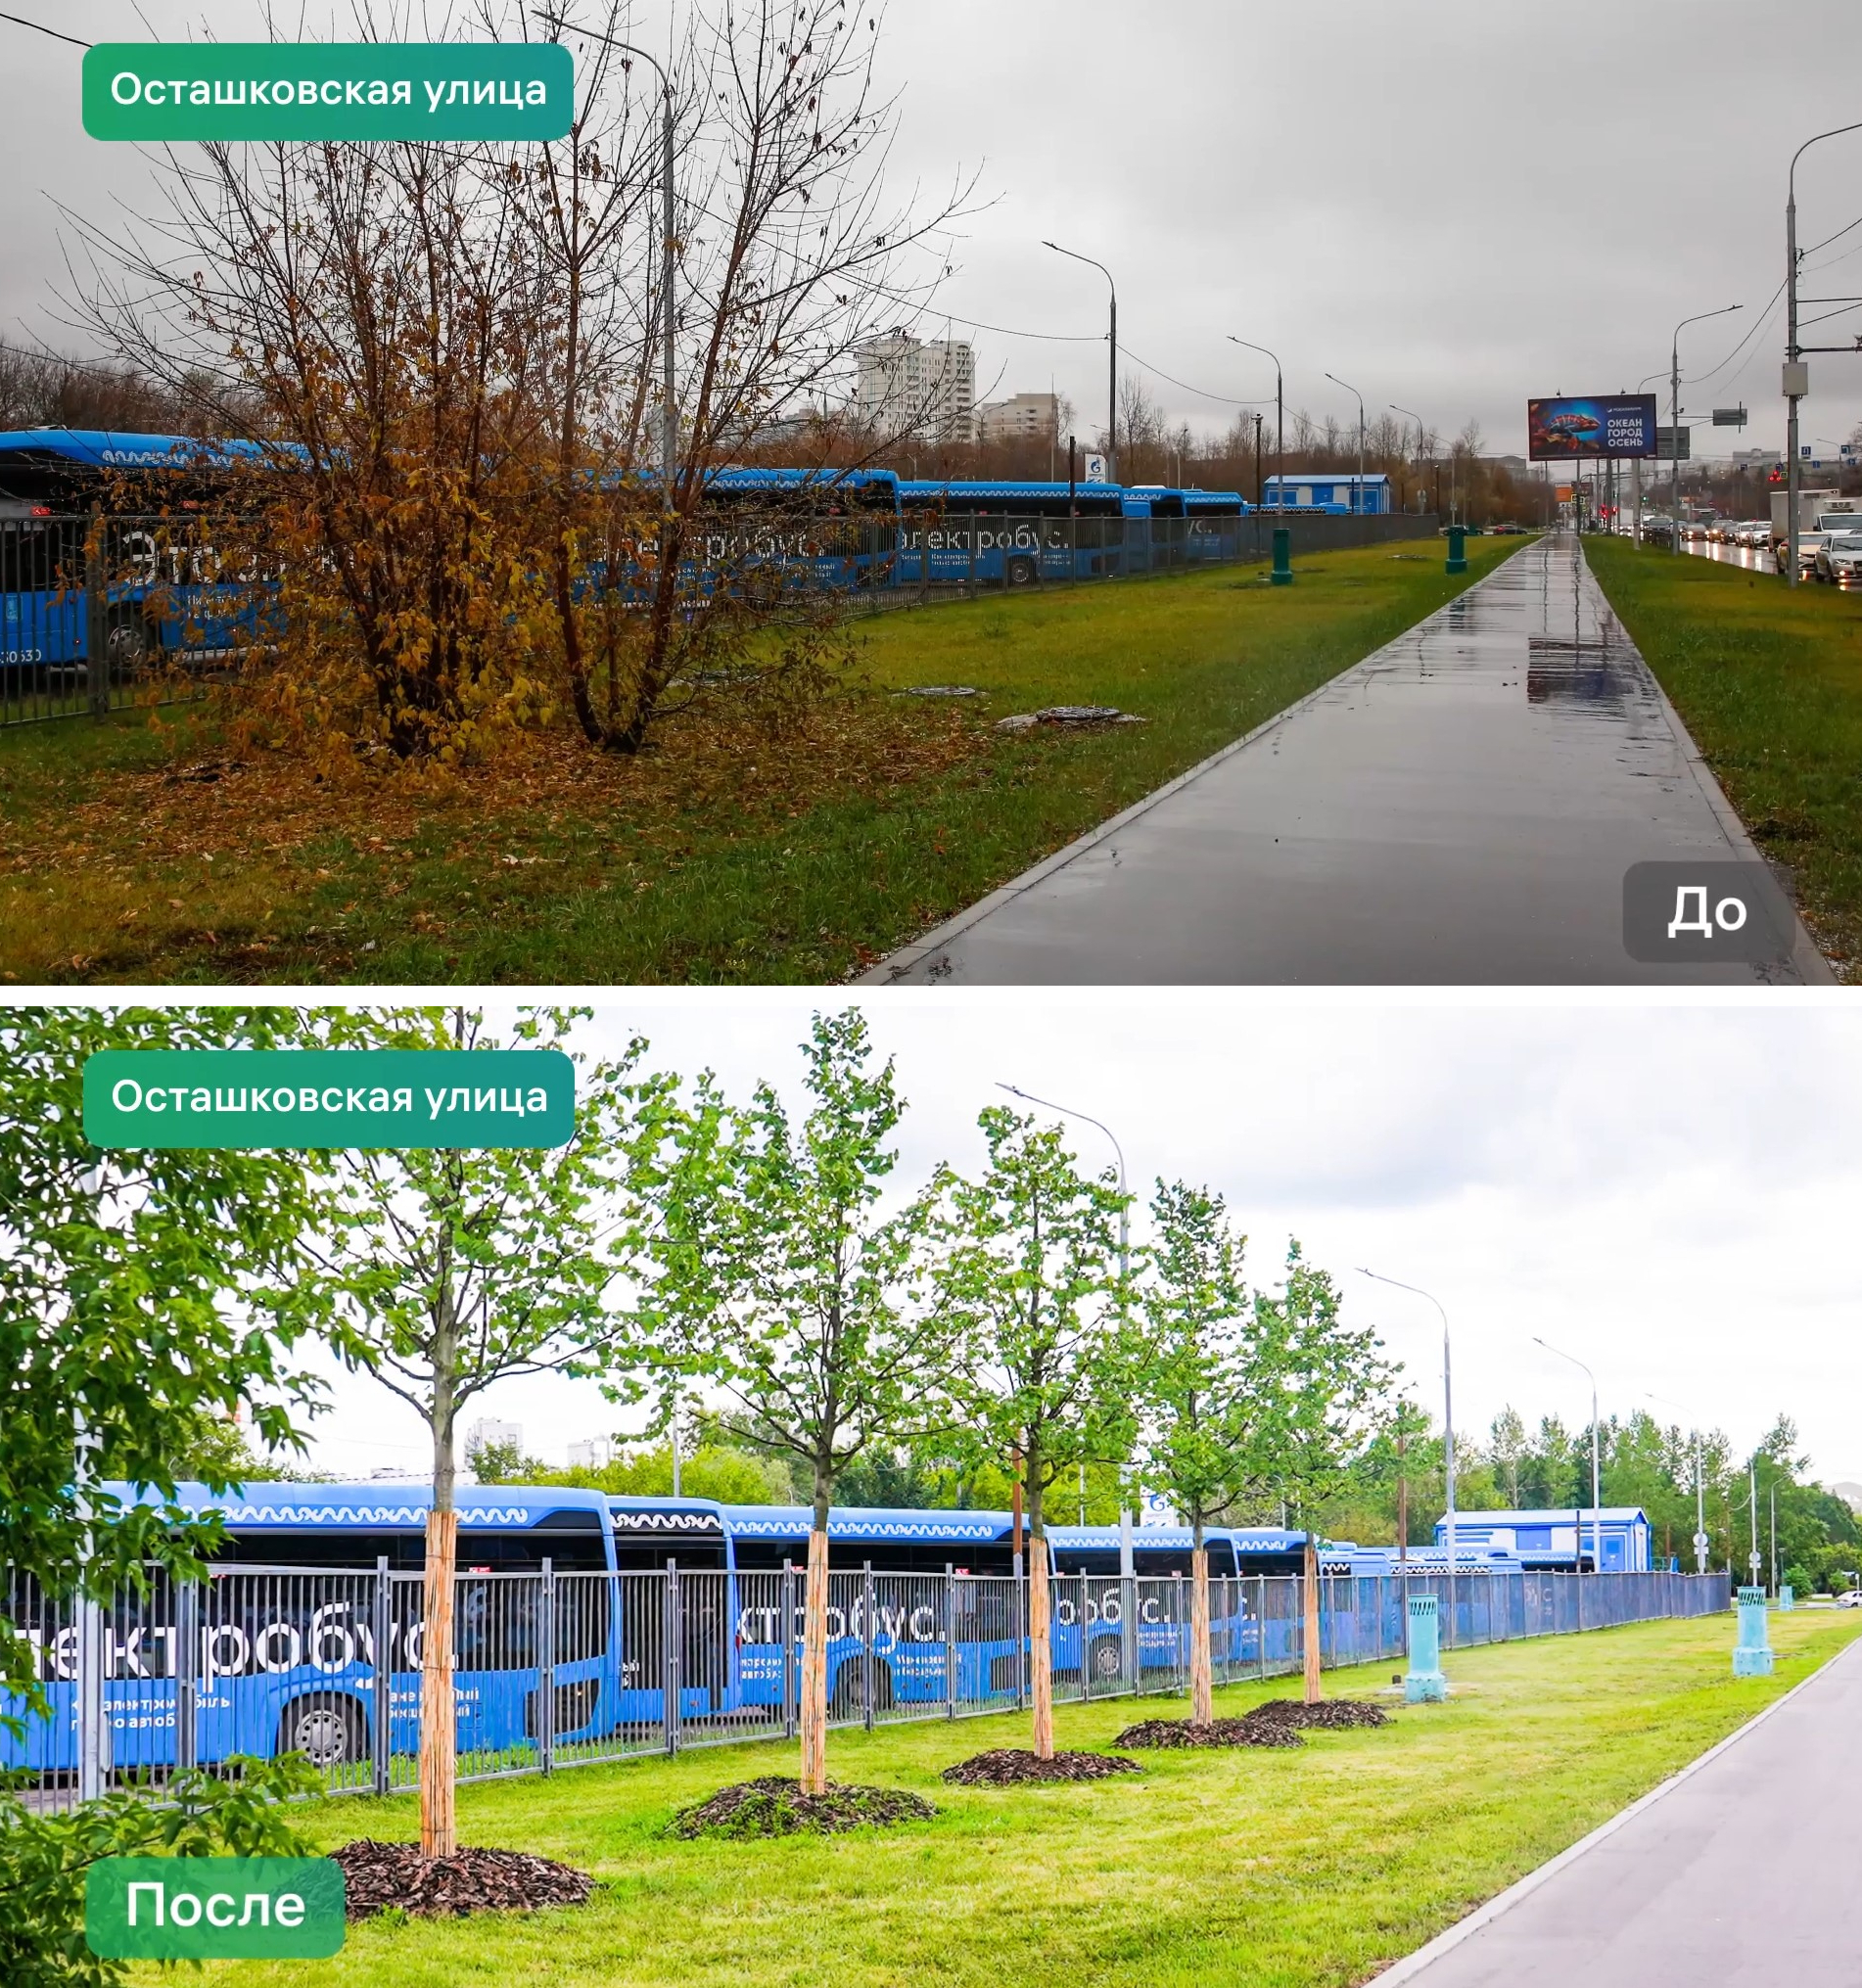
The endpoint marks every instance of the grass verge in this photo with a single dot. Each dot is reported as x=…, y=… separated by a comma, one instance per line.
x=732, y=852
x=1248, y=1867
x=1769, y=682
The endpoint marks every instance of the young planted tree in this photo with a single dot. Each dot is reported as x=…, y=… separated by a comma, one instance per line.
x=451, y=1270
x=1211, y=1392
x=785, y=1290
x=1028, y=1272
x=1332, y=1391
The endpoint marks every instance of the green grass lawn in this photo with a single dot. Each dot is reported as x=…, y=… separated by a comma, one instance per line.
x=738, y=856
x=1263, y=1870
x=1769, y=682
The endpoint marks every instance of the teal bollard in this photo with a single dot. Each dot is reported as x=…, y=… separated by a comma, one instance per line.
x=1282, y=575
x=1752, y=1653
x=1425, y=1684
x=1456, y=549
x=1787, y=1597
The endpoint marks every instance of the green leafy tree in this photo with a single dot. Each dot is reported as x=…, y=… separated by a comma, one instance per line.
x=783, y=1288
x=1334, y=1386
x=1211, y=1392
x=143, y=1297
x=238, y=1811
x=1044, y=1380
x=1506, y=1450
x=451, y=1271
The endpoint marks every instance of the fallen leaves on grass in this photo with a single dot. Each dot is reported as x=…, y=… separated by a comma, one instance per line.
x=773, y=1805
x=384, y=1877
x=1006, y=1765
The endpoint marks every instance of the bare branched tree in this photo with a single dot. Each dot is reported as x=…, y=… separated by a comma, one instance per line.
x=455, y=352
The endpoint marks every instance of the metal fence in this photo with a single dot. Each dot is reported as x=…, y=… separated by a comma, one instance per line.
x=98, y=615
x=101, y=614
x=554, y=1669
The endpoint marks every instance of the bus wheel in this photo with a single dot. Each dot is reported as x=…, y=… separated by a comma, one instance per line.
x=327, y=1731
x=1021, y=573
x=126, y=645
x=850, y=1688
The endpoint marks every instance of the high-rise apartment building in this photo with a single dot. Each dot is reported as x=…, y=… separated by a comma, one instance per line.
x=1022, y=417
x=908, y=386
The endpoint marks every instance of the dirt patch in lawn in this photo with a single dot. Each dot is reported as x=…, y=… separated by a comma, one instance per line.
x=1005, y=1765
x=396, y=1877
x=775, y=1806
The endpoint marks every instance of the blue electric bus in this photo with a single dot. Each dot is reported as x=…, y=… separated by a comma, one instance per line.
x=313, y=1584
x=166, y=593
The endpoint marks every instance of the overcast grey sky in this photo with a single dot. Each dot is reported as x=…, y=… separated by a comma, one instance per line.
x=1450, y=205
x=1668, y=1192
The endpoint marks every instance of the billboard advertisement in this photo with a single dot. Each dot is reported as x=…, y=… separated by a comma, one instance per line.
x=1596, y=425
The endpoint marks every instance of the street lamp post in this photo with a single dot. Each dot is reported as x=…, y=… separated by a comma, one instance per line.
x=1128, y=1564
x=1752, y=1481
x=1279, y=421
x=669, y=317
x=1448, y=1417
x=1112, y=393
x=1597, y=1509
x=1674, y=415
x=1350, y=388
x=1417, y=419
x=1795, y=381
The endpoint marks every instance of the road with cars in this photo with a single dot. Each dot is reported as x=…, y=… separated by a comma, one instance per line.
x=1737, y=1874
x=1461, y=807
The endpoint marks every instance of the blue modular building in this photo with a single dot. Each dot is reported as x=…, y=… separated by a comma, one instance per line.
x=1333, y=490
x=1614, y=1540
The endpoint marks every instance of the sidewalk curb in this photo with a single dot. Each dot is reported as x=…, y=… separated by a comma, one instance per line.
x=1412, y=1965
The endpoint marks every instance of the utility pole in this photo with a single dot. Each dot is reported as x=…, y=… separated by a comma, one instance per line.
x=1796, y=378
x=668, y=310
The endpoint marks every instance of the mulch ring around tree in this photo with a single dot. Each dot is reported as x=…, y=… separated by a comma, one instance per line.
x=384, y=1877
x=1276, y=1723
x=773, y=1805
x=1331, y=1712
x=1005, y=1765
x=1217, y=1732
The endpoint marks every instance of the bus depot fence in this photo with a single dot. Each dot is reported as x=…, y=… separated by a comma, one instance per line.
x=102, y=614
x=555, y=1669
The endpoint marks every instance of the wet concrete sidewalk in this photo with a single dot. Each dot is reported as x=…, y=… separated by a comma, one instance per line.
x=1457, y=808
x=1737, y=1876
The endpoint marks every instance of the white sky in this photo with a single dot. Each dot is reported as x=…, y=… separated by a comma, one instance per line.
x=1668, y=1192
x=1453, y=207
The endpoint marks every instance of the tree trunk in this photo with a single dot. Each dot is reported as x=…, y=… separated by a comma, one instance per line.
x=1039, y=1635
x=1202, y=1699
x=815, y=1667
x=1039, y=1648
x=439, y=1836
x=438, y=1759
x=1310, y=1638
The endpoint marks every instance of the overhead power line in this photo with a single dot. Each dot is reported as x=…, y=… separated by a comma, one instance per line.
x=20, y=21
